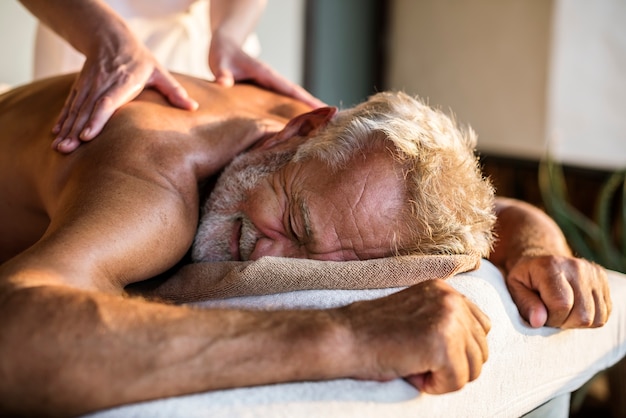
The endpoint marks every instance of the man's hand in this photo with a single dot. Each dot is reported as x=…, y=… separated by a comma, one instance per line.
x=429, y=334
x=548, y=284
x=229, y=63
x=560, y=291
x=104, y=84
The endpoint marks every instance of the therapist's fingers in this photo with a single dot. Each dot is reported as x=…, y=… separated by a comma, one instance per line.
x=224, y=77
x=88, y=113
x=68, y=125
x=90, y=105
x=65, y=111
x=61, y=142
x=162, y=81
x=229, y=64
x=125, y=91
x=271, y=79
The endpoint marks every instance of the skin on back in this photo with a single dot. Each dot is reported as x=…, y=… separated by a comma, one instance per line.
x=147, y=139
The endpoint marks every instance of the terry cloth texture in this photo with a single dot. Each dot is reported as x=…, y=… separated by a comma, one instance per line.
x=526, y=367
x=269, y=275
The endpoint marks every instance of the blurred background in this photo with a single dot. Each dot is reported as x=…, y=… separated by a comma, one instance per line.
x=529, y=76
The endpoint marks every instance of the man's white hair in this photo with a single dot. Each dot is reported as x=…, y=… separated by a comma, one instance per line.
x=449, y=203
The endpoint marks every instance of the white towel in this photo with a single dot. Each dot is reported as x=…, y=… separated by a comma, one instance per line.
x=526, y=366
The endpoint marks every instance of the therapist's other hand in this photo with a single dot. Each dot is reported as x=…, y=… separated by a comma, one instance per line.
x=229, y=63
x=560, y=291
x=108, y=80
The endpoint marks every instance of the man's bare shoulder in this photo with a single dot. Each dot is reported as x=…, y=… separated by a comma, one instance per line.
x=243, y=95
x=147, y=147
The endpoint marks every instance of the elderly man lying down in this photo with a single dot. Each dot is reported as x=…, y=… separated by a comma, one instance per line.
x=389, y=177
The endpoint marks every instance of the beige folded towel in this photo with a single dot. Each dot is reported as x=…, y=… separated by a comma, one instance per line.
x=268, y=275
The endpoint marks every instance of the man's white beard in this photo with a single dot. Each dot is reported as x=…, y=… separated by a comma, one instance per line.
x=218, y=229
x=220, y=213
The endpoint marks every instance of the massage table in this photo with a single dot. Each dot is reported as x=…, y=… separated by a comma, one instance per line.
x=528, y=371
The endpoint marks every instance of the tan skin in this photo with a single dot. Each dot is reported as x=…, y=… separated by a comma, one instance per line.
x=124, y=209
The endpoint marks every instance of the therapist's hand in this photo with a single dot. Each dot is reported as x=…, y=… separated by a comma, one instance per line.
x=560, y=291
x=110, y=78
x=229, y=63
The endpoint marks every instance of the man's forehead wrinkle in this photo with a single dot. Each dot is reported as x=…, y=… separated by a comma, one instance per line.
x=294, y=189
x=355, y=218
x=301, y=214
x=306, y=217
x=378, y=206
x=346, y=227
x=328, y=219
x=359, y=206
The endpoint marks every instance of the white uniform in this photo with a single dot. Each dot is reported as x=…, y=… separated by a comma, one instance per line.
x=176, y=31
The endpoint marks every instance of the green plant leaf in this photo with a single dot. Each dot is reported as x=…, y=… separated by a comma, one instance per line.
x=591, y=239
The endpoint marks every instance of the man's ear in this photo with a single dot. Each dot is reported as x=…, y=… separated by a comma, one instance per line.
x=300, y=126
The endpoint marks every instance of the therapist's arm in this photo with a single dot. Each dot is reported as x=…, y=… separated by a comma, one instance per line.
x=548, y=284
x=232, y=21
x=117, y=67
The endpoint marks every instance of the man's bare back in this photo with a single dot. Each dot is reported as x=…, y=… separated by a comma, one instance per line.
x=141, y=137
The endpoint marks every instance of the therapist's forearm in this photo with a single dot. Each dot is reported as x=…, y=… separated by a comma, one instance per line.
x=87, y=25
x=235, y=18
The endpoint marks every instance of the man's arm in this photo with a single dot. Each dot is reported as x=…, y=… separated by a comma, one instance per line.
x=548, y=284
x=78, y=351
